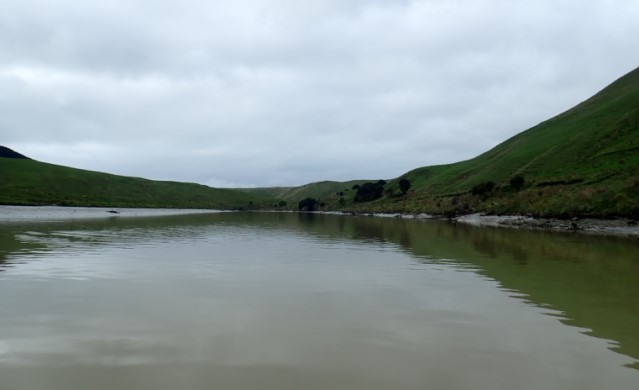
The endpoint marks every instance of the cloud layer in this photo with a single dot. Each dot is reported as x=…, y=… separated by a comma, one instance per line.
x=278, y=92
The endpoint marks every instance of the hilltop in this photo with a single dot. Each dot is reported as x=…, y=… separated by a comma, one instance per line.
x=10, y=153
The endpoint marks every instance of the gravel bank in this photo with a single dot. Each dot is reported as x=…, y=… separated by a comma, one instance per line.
x=621, y=226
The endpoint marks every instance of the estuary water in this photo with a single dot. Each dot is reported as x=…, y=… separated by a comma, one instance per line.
x=306, y=301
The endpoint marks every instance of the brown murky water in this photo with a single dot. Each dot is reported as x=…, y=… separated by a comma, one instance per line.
x=287, y=301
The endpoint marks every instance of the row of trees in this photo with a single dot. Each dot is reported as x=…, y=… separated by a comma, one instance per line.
x=365, y=193
x=370, y=191
x=309, y=204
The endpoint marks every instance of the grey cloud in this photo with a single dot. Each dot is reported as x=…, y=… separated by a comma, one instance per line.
x=285, y=92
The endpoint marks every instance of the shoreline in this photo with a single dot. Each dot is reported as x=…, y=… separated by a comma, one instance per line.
x=10, y=214
x=624, y=227
x=617, y=227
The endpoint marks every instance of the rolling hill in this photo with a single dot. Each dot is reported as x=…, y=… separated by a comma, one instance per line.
x=30, y=182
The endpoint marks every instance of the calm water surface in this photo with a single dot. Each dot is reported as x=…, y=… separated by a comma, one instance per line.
x=287, y=301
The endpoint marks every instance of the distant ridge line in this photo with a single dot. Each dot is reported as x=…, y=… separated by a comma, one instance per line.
x=10, y=153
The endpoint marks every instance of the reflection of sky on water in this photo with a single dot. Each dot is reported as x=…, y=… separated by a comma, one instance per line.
x=274, y=296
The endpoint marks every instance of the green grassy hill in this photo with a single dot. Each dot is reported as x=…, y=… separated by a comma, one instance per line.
x=29, y=182
x=583, y=162
x=591, y=142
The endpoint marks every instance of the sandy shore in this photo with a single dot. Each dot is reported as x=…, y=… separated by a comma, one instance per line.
x=56, y=213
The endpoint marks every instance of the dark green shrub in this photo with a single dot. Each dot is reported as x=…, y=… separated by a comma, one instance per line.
x=517, y=182
x=404, y=185
x=308, y=204
x=369, y=191
x=483, y=188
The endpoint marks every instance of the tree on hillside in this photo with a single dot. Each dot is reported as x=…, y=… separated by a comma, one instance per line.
x=483, y=188
x=517, y=182
x=308, y=204
x=404, y=185
x=369, y=191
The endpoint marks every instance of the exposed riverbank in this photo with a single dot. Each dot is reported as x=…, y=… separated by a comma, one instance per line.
x=617, y=227
x=621, y=226
x=56, y=213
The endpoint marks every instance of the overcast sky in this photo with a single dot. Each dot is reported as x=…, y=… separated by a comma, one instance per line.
x=284, y=92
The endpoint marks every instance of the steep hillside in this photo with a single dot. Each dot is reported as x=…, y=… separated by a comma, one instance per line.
x=29, y=182
x=596, y=140
x=583, y=162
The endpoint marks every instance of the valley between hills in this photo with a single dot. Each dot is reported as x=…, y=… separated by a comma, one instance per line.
x=583, y=163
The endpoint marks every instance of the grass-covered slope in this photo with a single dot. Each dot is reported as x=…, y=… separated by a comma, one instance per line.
x=593, y=141
x=29, y=182
x=584, y=161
